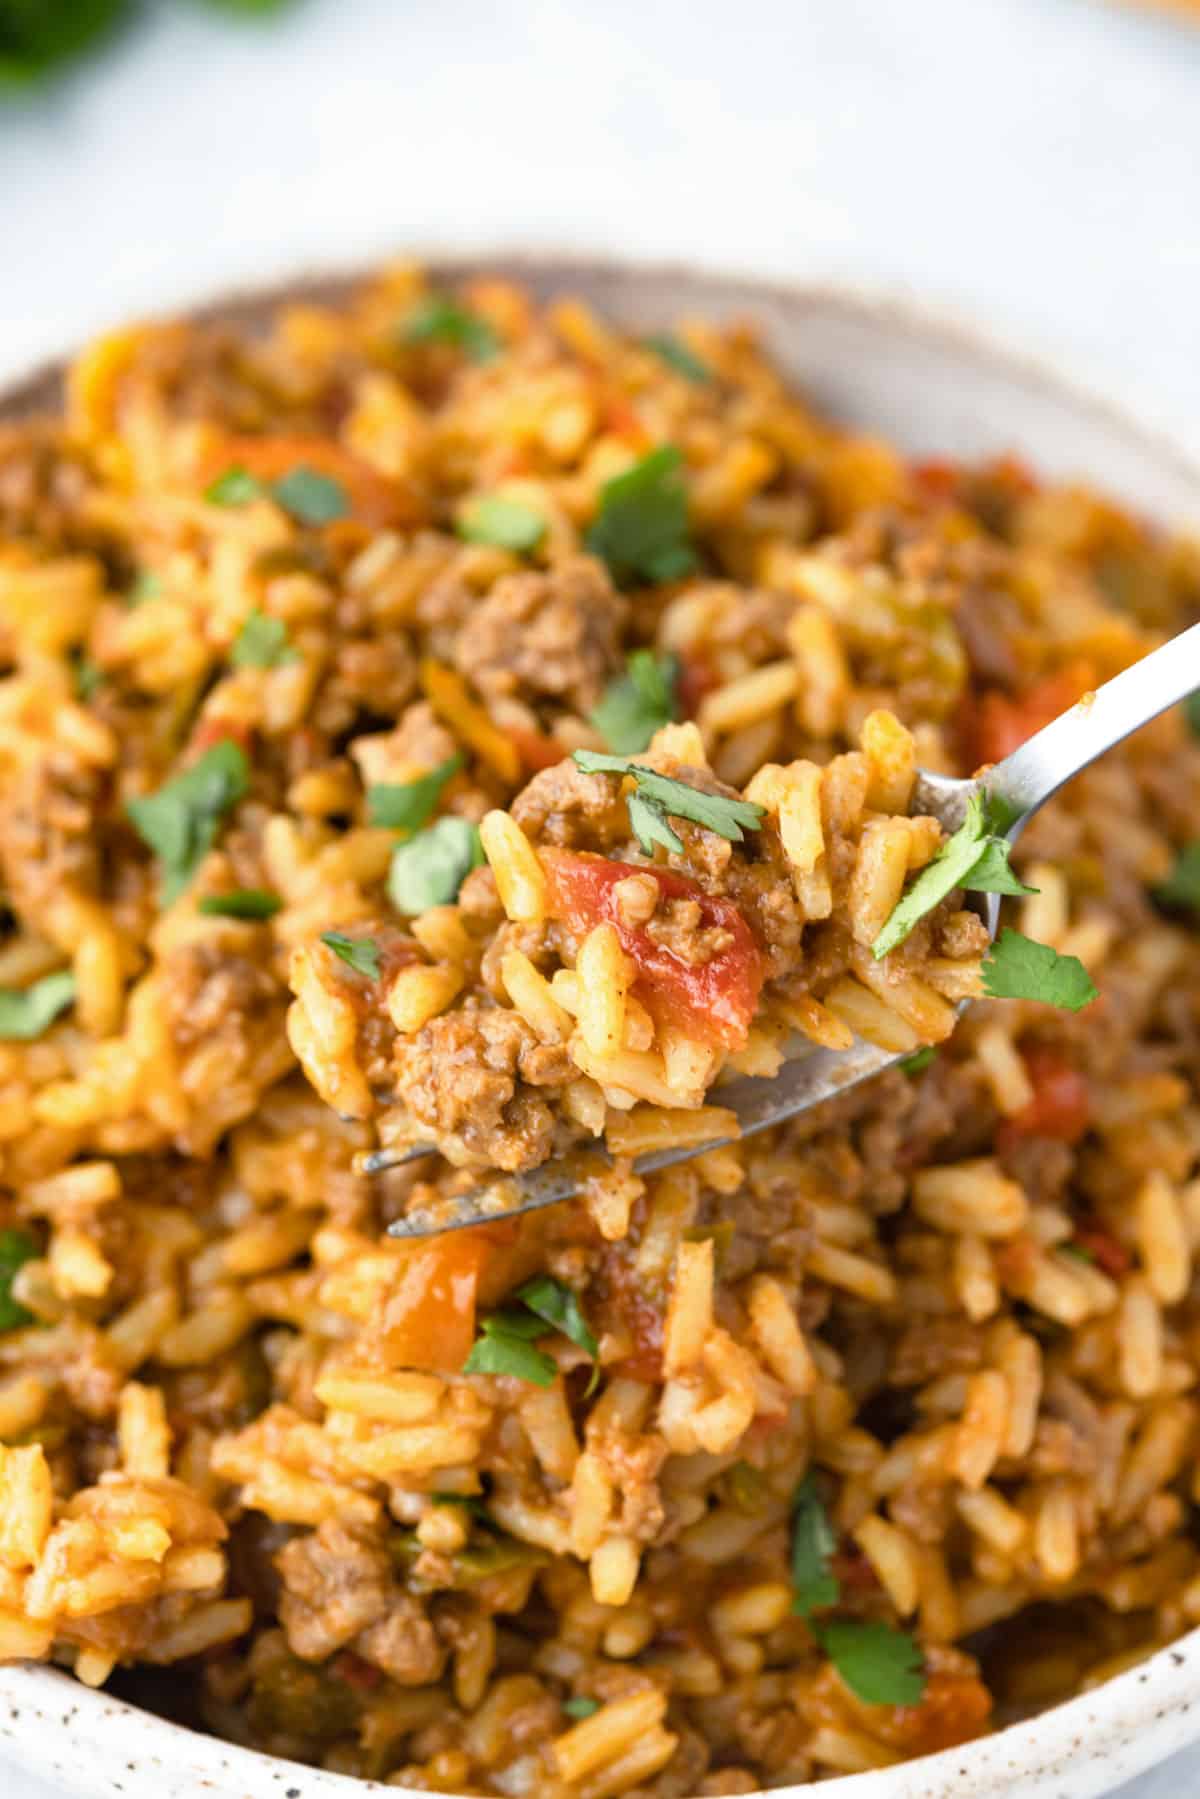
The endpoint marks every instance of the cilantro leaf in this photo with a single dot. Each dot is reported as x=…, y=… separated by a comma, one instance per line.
x=359, y=953
x=659, y=796
x=973, y=858
x=1018, y=968
x=814, y=1584
x=472, y=1503
x=25, y=1012
x=240, y=902
x=920, y=1058
x=262, y=642
x=37, y=37
x=16, y=1248
x=407, y=805
x=235, y=486
x=87, y=677
x=1182, y=886
x=179, y=822
x=558, y=1304
x=641, y=526
x=580, y=1706
x=438, y=320
x=501, y=1349
x=508, y=524
x=310, y=497
x=676, y=354
x=1191, y=711
x=639, y=702
x=430, y=868
x=880, y=1665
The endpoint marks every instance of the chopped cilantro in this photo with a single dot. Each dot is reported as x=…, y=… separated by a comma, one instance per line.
x=1079, y=1252
x=311, y=497
x=430, y=868
x=240, y=902
x=638, y=703
x=407, y=805
x=880, y=1665
x=179, y=822
x=504, y=1347
x=676, y=354
x=1018, y=968
x=25, y=1012
x=558, y=1304
x=920, y=1058
x=814, y=1584
x=16, y=1248
x=659, y=796
x=508, y=524
x=580, y=1706
x=359, y=953
x=38, y=36
x=974, y=857
x=235, y=486
x=436, y=320
x=262, y=642
x=1191, y=711
x=1182, y=886
x=641, y=526
x=472, y=1503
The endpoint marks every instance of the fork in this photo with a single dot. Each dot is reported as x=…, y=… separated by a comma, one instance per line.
x=1016, y=788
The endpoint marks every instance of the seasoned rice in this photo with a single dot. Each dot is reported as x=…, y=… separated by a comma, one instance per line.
x=614, y=1500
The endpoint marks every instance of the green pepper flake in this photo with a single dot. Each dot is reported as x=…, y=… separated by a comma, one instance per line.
x=27, y=1012
x=359, y=953
x=16, y=1248
x=437, y=320
x=506, y=524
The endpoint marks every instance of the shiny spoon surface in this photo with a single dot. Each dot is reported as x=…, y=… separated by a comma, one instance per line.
x=1016, y=788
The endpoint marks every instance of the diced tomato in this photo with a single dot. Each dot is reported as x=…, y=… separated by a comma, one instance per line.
x=374, y=499
x=713, y=1002
x=428, y=1319
x=997, y=724
x=362, y=1675
x=936, y=477
x=1104, y=1249
x=536, y=750
x=696, y=679
x=854, y=1572
x=211, y=731
x=1060, y=1107
x=623, y=422
x=953, y=1709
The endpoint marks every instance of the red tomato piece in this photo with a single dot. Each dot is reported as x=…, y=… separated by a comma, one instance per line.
x=1001, y=724
x=1104, y=1249
x=535, y=750
x=713, y=1002
x=953, y=1709
x=212, y=731
x=936, y=477
x=362, y=1675
x=1061, y=1104
x=696, y=679
x=428, y=1319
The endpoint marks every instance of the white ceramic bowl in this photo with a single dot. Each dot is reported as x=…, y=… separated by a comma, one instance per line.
x=932, y=389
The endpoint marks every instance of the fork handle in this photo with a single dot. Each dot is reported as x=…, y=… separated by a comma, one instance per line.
x=1032, y=774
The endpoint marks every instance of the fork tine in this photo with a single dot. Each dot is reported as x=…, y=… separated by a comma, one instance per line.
x=804, y=1082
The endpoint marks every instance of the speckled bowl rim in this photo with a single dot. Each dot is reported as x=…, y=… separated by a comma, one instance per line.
x=90, y=1742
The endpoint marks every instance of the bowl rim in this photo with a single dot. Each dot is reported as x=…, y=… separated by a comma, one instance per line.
x=1116, y=1730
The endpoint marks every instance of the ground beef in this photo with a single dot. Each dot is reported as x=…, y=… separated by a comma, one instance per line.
x=679, y=927
x=565, y=807
x=539, y=635
x=403, y=1644
x=470, y=1074
x=48, y=837
x=935, y=1347
x=336, y=1582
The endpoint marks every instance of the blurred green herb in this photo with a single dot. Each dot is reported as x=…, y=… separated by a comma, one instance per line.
x=39, y=39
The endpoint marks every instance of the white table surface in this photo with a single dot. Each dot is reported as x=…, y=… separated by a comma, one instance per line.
x=1029, y=165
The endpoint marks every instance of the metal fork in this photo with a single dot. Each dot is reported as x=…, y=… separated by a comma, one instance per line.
x=1018, y=786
